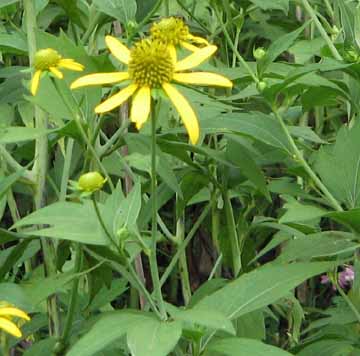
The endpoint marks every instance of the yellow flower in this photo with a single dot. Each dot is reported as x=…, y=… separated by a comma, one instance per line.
x=7, y=312
x=49, y=60
x=151, y=65
x=173, y=31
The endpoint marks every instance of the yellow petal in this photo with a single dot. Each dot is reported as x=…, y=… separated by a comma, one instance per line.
x=140, y=108
x=35, y=82
x=116, y=100
x=117, y=49
x=99, y=79
x=10, y=311
x=56, y=72
x=71, y=64
x=198, y=39
x=203, y=78
x=185, y=111
x=189, y=46
x=195, y=58
x=10, y=327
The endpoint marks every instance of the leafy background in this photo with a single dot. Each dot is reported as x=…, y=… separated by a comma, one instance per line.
x=248, y=219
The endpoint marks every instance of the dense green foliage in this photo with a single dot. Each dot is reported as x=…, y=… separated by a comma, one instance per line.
x=243, y=244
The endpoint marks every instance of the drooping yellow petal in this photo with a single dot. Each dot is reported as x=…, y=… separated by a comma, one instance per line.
x=56, y=72
x=140, y=108
x=197, y=39
x=71, y=64
x=116, y=100
x=195, y=58
x=203, y=78
x=99, y=79
x=117, y=49
x=10, y=327
x=11, y=311
x=35, y=82
x=189, y=46
x=185, y=111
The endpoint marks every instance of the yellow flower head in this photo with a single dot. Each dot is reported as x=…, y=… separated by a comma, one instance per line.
x=152, y=64
x=49, y=60
x=7, y=313
x=173, y=31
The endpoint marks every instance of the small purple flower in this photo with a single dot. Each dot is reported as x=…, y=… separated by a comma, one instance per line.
x=345, y=278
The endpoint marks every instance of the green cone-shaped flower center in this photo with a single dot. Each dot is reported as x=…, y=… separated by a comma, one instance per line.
x=46, y=58
x=170, y=30
x=150, y=64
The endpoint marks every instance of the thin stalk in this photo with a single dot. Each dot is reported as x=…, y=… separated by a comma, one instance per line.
x=73, y=297
x=183, y=267
x=235, y=50
x=91, y=27
x=321, y=30
x=334, y=203
x=66, y=169
x=186, y=241
x=232, y=233
x=40, y=169
x=152, y=258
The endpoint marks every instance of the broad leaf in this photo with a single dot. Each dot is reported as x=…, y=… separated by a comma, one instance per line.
x=261, y=287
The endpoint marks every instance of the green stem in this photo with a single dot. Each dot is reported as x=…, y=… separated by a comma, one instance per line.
x=40, y=169
x=101, y=221
x=347, y=300
x=184, y=244
x=152, y=258
x=334, y=203
x=183, y=267
x=66, y=169
x=232, y=233
x=321, y=29
x=235, y=50
x=94, y=22
x=73, y=297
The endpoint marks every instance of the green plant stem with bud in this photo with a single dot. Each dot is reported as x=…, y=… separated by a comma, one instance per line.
x=40, y=170
x=133, y=274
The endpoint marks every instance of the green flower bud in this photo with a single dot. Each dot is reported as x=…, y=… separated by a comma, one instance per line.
x=91, y=182
x=261, y=86
x=259, y=53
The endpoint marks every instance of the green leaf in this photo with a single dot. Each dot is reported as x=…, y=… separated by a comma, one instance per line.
x=153, y=337
x=211, y=319
x=15, y=294
x=243, y=347
x=323, y=244
x=261, y=287
x=272, y=4
x=279, y=46
x=122, y=10
x=19, y=134
x=328, y=347
x=68, y=221
x=14, y=43
x=298, y=212
x=259, y=126
x=6, y=183
x=4, y=3
x=105, y=331
x=344, y=181
x=241, y=157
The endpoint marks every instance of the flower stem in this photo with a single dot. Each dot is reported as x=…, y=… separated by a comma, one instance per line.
x=73, y=297
x=334, y=203
x=152, y=258
x=321, y=29
x=40, y=169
